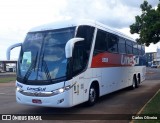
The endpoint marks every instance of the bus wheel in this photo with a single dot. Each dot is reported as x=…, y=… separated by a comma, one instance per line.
x=92, y=95
x=133, y=86
x=138, y=81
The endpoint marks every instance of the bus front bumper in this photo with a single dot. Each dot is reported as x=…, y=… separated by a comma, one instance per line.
x=63, y=100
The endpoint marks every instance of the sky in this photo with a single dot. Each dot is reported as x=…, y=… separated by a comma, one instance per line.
x=19, y=16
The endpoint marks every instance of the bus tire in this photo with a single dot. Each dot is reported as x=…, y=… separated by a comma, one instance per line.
x=133, y=86
x=93, y=95
x=138, y=81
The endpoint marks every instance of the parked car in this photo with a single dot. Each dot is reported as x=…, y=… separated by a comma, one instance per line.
x=154, y=66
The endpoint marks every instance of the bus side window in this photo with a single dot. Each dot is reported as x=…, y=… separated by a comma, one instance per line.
x=122, y=45
x=129, y=47
x=101, y=43
x=112, y=42
x=79, y=58
x=86, y=32
x=143, y=50
x=135, y=48
x=139, y=50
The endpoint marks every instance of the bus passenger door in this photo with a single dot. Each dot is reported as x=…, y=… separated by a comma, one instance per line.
x=78, y=89
x=79, y=65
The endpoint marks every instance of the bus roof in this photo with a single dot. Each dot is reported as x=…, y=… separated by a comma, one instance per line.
x=55, y=25
x=72, y=23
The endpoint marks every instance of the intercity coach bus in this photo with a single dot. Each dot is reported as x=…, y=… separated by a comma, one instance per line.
x=65, y=64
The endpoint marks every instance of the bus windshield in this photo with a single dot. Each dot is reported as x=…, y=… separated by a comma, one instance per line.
x=42, y=55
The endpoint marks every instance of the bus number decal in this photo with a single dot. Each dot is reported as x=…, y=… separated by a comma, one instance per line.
x=105, y=60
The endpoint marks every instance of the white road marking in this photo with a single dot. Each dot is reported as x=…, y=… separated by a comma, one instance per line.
x=2, y=93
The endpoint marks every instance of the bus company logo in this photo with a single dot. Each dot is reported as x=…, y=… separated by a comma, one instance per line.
x=36, y=89
x=132, y=60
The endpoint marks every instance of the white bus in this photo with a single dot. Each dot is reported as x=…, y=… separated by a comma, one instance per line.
x=65, y=64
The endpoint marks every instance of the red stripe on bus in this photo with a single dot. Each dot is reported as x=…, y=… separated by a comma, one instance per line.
x=109, y=60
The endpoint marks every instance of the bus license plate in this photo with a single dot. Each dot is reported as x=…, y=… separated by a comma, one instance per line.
x=36, y=101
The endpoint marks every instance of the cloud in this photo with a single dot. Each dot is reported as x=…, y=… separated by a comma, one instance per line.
x=18, y=16
x=113, y=12
x=137, y=3
x=3, y=49
x=8, y=37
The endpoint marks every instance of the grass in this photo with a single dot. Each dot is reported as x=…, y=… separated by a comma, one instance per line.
x=151, y=109
x=7, y=79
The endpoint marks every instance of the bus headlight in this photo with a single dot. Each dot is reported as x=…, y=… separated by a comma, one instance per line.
x=18, y=89
x=61, y=90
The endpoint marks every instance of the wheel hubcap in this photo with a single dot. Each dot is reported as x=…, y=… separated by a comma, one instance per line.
x=133, y=84
x=92, y=94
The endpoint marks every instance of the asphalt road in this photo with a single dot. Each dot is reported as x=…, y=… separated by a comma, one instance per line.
x=125, y=101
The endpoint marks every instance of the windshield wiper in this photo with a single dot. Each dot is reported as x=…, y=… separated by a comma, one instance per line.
x=33, y=65
x=46, y=69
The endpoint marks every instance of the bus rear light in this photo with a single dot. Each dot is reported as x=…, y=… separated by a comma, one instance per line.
x=36, y=101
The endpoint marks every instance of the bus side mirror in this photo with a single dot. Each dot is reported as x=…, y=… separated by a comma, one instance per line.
x=70, y=45
x=10, y=48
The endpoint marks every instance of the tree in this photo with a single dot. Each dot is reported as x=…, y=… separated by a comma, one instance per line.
x=147, y=25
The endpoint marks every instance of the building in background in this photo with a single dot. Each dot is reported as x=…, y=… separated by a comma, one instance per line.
x=153, y=58
x=8, y=66
x=157, y=59
x=149, y=58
